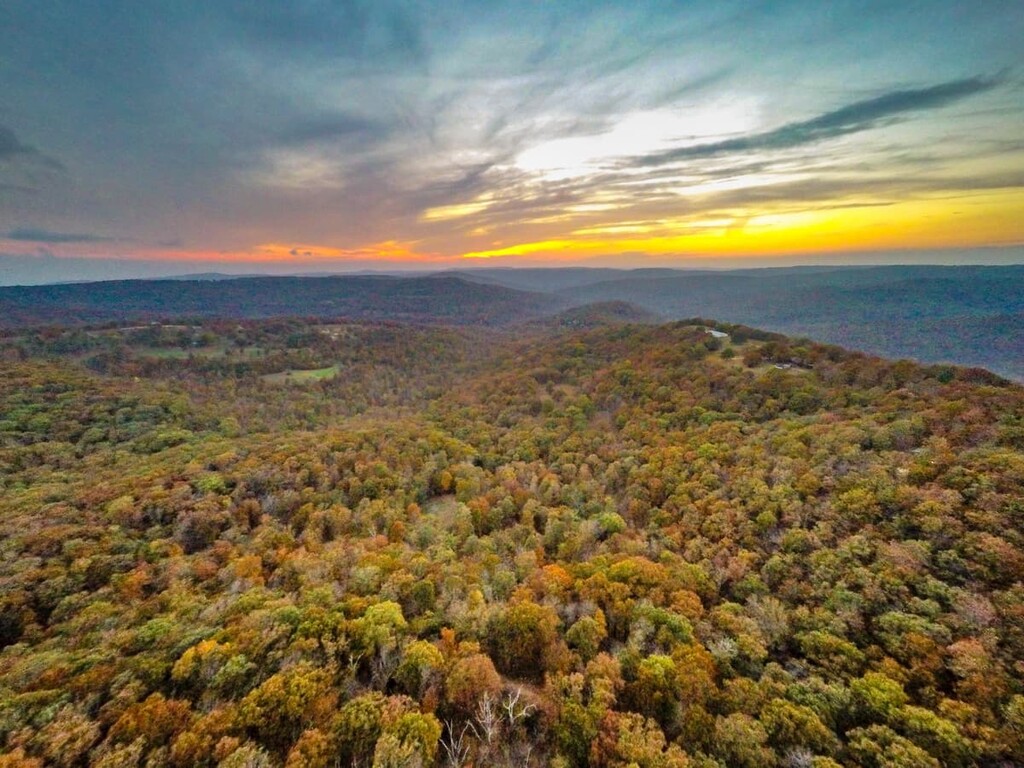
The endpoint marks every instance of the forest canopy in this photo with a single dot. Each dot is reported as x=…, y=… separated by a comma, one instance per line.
x=586, y=541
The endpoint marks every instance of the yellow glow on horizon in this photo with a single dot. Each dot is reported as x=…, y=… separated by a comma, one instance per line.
x=966, y=219
x=526, y=249
x=991, y=218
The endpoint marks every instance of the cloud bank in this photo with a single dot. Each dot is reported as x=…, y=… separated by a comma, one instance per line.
x=460, y=127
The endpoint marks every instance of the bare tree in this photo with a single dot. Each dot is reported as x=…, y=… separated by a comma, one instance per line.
x=488, y=719
x=353, y=664
x=515, y=708
x=456, y=744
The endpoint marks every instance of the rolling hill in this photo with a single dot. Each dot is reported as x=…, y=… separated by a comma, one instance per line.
x=430, y=299
x=590, y=542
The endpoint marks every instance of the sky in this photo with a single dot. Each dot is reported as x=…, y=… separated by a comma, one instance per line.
x=142, y=138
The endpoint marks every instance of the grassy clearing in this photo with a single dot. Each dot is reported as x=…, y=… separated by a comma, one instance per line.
x=177, y=353
x=773, y=367
x=301, y=377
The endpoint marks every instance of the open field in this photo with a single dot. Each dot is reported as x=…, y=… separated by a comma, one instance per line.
x=177, y=353
x=302, y=377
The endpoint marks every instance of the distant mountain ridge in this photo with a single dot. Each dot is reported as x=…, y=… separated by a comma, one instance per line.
x=438, y=299
x=969, y=315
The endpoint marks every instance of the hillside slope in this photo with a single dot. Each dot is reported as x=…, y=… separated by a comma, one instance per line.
x=932, y=314
x=621, y=545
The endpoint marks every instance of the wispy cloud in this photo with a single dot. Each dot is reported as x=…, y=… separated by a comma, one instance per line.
x=12, y=148
x=853, y=118
x=32, y=235
x=335, y=127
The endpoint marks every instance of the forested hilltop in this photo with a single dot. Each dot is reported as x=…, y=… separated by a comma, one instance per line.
x=432, y=299
x=965, y=315
x=591, y=541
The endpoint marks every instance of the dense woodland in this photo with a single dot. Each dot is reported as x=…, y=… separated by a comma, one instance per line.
x=432, y=299
x=581, y=543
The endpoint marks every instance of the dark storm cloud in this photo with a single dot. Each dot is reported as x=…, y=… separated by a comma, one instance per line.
x=31, y=235
x=853, y=118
